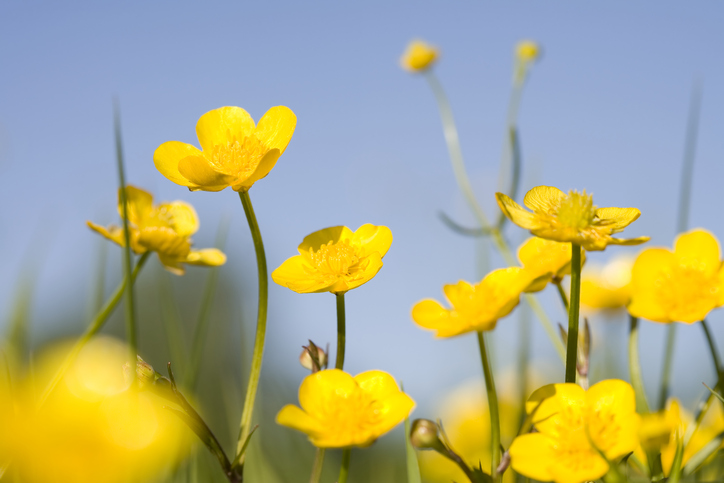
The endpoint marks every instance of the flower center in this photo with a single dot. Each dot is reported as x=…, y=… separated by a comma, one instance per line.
x=239, y=158
x=577, y=210
x=352, y=416
x=335, y=258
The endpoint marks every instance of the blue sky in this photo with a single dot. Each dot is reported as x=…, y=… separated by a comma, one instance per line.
x=605, y=110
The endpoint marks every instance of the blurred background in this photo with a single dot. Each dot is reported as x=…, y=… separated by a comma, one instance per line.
x=604, y=109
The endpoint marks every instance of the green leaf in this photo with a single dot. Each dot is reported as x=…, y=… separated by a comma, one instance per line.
x=413, y=468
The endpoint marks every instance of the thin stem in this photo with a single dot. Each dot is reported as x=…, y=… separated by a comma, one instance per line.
x=317, y=467
x=642, y=404
x=96, y=325
x=256, y=359
x=572, y=345
x=344, y=469
x=341, y=331
x=511, y=147
x=493, y=408
x=668, y=363
x=714, y=355
x=523, y=360
x=562, y=293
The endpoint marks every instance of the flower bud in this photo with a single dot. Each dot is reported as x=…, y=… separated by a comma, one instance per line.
x=145, y=375
x=313, y=358
x=425, y=434
x=527, y=50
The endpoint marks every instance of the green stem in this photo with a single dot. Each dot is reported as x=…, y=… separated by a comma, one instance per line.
x=96, y=325
x=573, y=307
x=317, y=467
x=642, y=404
x=341, y=331
x=493, y=408
x=562, y=293
x=523, y=360
x=714, y=355
x=511, y=147
x=256, y=359
x=344, y=469
x=668, y=363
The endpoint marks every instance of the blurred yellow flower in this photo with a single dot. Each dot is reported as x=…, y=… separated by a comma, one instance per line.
x=545, y=260
x=607, y=287
x=235, y=152
x=165, y=229
x=335, y=259
x=679, y=286
x=573, y=425
x=571, y=218
x=341, y=411
x=527, y=51
x=474, y=307
x=93, y=427
x=418, y=56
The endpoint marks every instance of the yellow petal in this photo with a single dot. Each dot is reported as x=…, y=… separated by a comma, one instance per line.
x=172, y=264
x=555, y=406
x=613, y=423
x=168, y=156
x=532, y=455
x=373, y=238
x=429, y=314
x=458, y=294
x=115, y=234
x=373, y=264
x=699, y=249
x=625, y=241
x=276, y=128
x=293, y=417
x=324, y=236
x=395, y=408
x=378, y=384
x=418, y=56
x=181, y=217
x=618, y=218
x=208, y=257
x=317, y=388
x=263, y=168
x=647, y=269
x=296, y=275
x=540, y=256
x=543, y=199
x=516, y=213
x=140, y=204
x=222, y=126
x=164, y=241
x=202, y=175
x=507, y=284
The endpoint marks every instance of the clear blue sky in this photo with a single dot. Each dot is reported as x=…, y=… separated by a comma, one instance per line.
x=604, y=110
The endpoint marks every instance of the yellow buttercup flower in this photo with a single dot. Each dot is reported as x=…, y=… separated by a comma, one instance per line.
x=165, y=229
x=571, y=218
x=607, y=287
x=527, y=51
x=341, y=411
x=679, y=286
x=234, y=151
x=418, y=56
x=474, y=307
x=545, y=260
x=573, y=425
x=335, y=259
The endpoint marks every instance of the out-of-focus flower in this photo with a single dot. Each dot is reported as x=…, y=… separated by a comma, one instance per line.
x=679, y=286
x=419, y=56
x=571, y=218
x=573, y=425
x=341, y=411
x=335, y=259
x=607, y=287
x=474, y=307
x=93, y=427
x=234, y=152
x=527, y=51
x=545, y=260
x=165, y=229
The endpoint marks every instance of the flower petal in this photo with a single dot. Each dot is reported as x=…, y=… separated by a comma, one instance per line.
x=208, y=257
x=532, y=454
x=647, y=269
x=395, y=408
x=626, y=241
x=699, y=248
x=318, y=388
x=202, y=175
x=554, y=405
x=181, y=217
x=296, y=275
x=373, y=238
x=324, y=236
x=263, y=168
x=293, y=417
x=429, y=314
x=613, y=423
x=618, y=218
x=140, y=205
x=457, y=294
x=172, y=264
x=516, y=213
x=540, y=256
x=544, y=199
x=165, y=241
x=377, y=384
x=373, y=264
x=222, y=126
x=276, y=128
x=167, y=157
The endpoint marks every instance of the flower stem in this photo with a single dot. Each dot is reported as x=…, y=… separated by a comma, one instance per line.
x=96, y=325
x=493, y=408
x=714, y=355
x=317, y=467
x=562, y=293
x=341, y=331
x=573, y=306
x=668, y=360
x=642, y=404
x=256, y=359
x=344, y=470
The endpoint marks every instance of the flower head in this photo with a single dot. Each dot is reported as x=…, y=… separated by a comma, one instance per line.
x=571, y=218
x=545, y=260
x=419, y=56
x=474, y=307
x=234, y=151
x=573, y=425
x=165, y=229
x=527, y=51
x=335, y=259
x=607, y=287
x=679, y=286
x=341, y=411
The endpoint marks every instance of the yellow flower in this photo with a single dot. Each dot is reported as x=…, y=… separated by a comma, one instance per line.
x=165, y=229
x=234, y=152
x=679, y=286
x=571, y=218
x=527, y=51
x=341, y=411
x=418, y=56
x=573, y=425
x=545, y=260
x=335, y=259
x=474, y=307
x=607, y=287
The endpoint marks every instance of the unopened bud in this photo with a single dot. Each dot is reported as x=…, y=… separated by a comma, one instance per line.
x=145, y=375
x=313, y=358
x=425, y=434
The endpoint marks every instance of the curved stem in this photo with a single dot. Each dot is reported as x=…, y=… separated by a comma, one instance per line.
x=572, y=345
x=668, y=362
x=317, y=467
x=493, y=408
x=714, y=355
x=341, y=331
x=642, y=404
x=96, y=325
x=256, y=359
x=562, y=293
x=344, y=470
